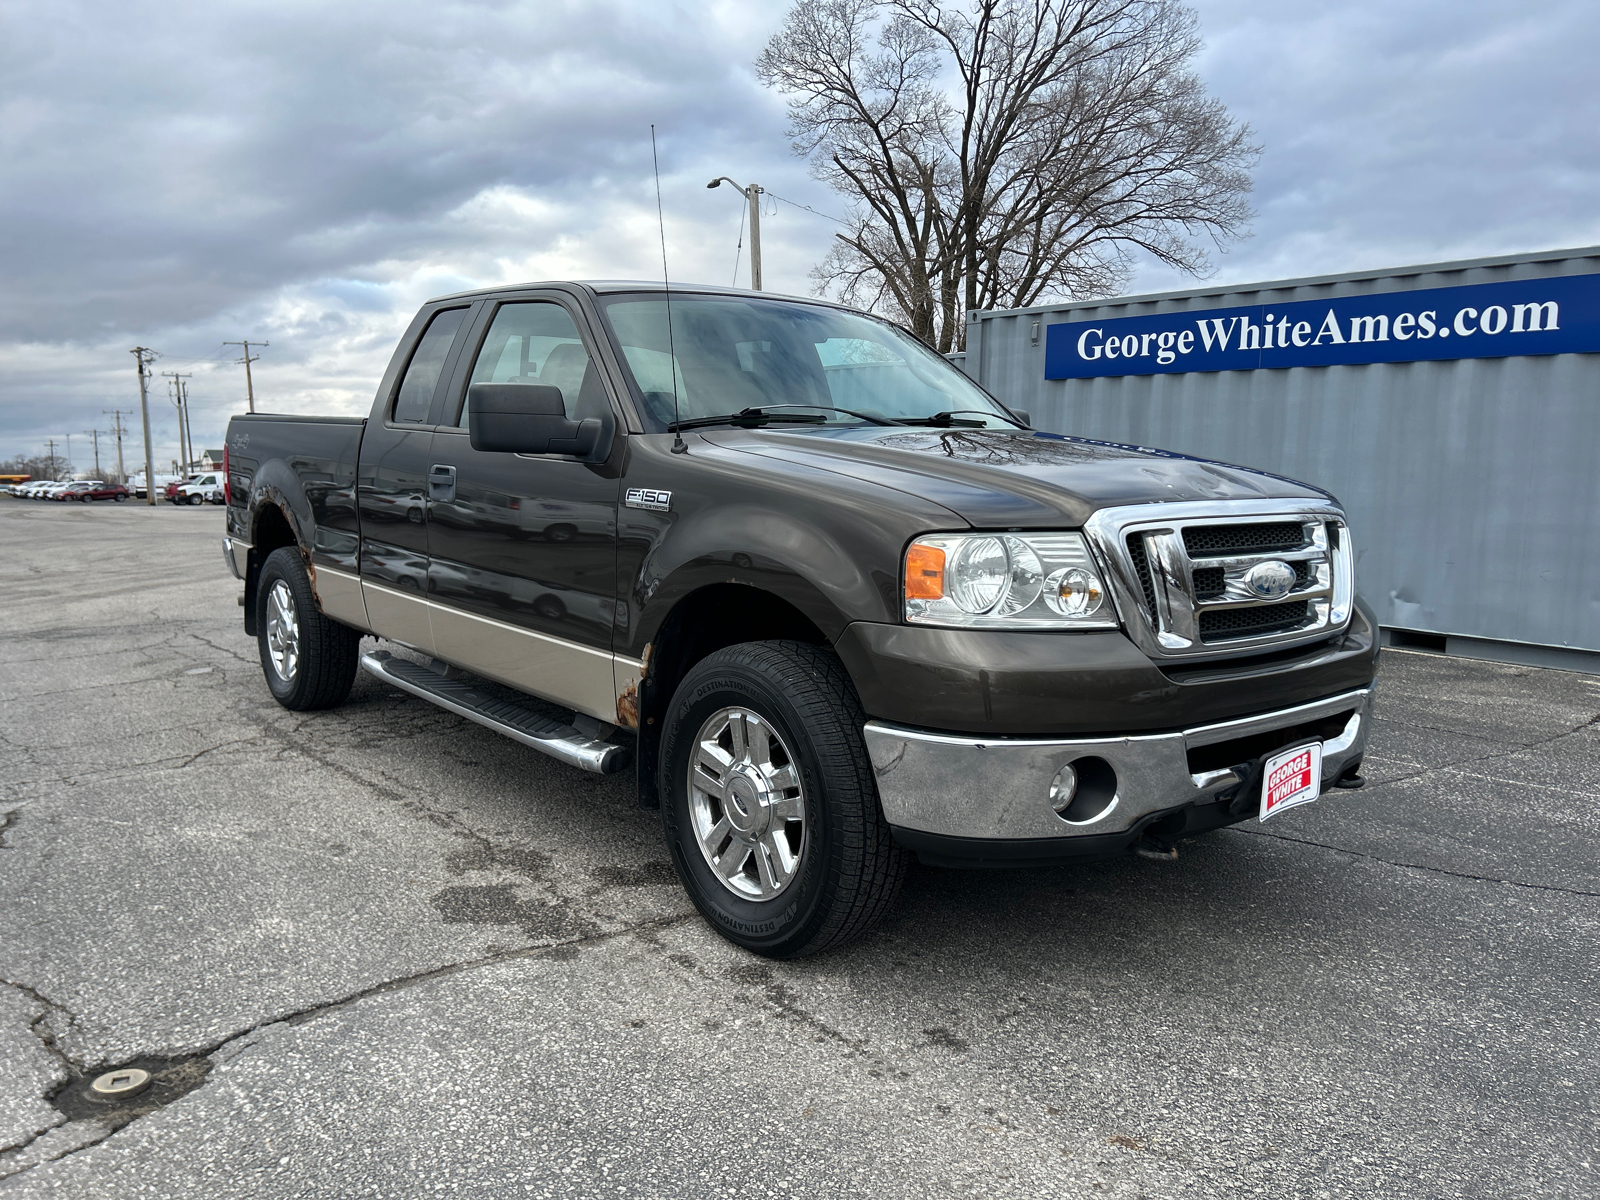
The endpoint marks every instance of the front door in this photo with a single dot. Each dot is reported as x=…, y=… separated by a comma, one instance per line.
x=523, y=551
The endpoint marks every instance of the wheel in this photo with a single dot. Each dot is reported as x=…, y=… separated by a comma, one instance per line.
x=122, y=497
x=309, y=661
x=768, y=801
x=196, y=498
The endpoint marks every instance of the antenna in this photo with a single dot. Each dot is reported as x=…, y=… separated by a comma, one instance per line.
x=678, y=445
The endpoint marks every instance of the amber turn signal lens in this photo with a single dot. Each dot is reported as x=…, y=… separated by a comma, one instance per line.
x=924, y=573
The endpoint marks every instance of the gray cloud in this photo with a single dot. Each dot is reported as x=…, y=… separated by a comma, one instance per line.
x=1404, y=133
x=178, y=176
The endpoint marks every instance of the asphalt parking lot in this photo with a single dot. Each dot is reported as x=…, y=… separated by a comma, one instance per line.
x=381, y=951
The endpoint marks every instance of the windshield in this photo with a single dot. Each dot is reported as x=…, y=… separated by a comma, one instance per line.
x=733, y=353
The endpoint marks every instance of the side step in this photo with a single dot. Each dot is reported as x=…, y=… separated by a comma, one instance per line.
x=503, y=716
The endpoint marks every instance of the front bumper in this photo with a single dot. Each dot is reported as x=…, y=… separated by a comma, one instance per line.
x=998, y=789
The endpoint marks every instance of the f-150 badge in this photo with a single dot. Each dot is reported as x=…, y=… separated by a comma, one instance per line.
x=655, y=501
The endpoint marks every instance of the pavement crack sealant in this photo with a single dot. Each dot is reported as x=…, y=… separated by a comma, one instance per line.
x=176, y=1077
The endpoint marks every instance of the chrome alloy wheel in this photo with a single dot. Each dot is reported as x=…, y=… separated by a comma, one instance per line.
x=283, y=631
x=746, y=803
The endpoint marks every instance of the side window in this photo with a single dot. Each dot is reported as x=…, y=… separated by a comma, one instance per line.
x=536, y=342
x=415, y=397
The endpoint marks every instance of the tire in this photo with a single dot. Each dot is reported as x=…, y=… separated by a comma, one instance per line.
x=196, y=498
x=325, y=654
x=844, y=877
x=122, y=498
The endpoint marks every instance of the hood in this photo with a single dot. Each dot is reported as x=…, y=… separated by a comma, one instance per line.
x=1023, y=479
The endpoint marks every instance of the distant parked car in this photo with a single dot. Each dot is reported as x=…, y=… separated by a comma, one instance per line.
x=53, y=489
x=199, y=489
x=136, y=482
x=94, y=489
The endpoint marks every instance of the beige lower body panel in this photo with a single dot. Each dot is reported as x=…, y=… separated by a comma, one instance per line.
x=339, y=593
x=594, y=682
x=577, y=676
x=399, y=616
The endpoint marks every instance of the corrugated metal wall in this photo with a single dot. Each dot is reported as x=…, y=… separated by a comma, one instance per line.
x=1473, y=485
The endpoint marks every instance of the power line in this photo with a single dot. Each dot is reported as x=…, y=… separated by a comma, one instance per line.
x=808, y=208
x=737, y=250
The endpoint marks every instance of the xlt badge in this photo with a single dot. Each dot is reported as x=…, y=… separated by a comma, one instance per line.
x=651, y=498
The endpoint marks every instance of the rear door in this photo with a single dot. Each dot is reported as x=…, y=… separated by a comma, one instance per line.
x=392, y=483
x=523, y=548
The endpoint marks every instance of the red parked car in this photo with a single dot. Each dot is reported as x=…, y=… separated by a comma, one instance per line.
x=93, y=489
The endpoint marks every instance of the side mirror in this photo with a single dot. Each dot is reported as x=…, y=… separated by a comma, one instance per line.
x=530, y=418
x=1021, y=414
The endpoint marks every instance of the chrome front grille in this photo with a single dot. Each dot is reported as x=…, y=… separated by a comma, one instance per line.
x=1181, y=573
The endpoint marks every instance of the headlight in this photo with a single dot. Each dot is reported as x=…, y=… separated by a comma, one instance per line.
x=1005, y=581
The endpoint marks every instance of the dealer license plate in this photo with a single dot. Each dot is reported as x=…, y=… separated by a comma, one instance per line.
x=1290, y=778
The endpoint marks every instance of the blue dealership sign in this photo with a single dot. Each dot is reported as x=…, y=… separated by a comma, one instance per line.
x=1559, y=315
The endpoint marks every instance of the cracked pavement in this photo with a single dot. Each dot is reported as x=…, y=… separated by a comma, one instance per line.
x=381, y=951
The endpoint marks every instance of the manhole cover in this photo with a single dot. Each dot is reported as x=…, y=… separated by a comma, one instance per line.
x=119, y=1085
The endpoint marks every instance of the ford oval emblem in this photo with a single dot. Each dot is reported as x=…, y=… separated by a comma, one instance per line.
x=1270, y=580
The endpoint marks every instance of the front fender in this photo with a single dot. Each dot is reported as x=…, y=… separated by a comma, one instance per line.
x=810, y=566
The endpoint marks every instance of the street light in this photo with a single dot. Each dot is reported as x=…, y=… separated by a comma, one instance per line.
x=753, y=195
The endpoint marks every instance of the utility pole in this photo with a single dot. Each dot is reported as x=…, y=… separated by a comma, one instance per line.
x=69, y=453
x=95, y=434
x=176, y=386
x=753, y=195
x=188, y=433
x=145, y=356
x=120, y=429
x=51, y=442
x=249, y=388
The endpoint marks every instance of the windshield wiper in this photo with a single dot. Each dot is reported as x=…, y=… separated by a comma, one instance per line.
x=947, y=420
x=748, y=418
x=849, y=412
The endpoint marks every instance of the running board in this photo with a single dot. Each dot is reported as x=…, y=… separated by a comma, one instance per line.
x=503, y=716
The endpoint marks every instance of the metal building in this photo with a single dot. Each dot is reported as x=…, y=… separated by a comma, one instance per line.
x=1454, y=408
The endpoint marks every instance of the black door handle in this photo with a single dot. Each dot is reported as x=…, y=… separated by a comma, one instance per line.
x=441, y=483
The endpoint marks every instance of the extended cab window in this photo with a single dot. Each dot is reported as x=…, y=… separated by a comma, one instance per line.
x=536, y=342
x=415, y=397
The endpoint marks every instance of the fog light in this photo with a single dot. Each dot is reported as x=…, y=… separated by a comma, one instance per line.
x=1062, y=789
x=1085, y=791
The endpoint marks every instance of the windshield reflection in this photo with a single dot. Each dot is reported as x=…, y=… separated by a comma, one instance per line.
x=725, y=354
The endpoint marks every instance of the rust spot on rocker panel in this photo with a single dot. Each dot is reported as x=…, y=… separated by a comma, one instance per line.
x=628, y=707
x=628, y=702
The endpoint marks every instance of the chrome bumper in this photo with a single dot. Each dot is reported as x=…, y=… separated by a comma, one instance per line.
x=999, y=787
x=236, y=554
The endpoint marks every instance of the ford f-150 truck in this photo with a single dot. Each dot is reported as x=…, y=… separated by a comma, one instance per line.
x=832, y=602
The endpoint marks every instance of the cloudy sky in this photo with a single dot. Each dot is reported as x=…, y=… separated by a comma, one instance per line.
x=180, y=175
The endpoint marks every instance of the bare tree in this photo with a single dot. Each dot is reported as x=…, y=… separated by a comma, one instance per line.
x=1002, y=151
x=43, y=466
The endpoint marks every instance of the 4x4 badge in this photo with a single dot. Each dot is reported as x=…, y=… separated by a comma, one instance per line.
x=650, y=498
